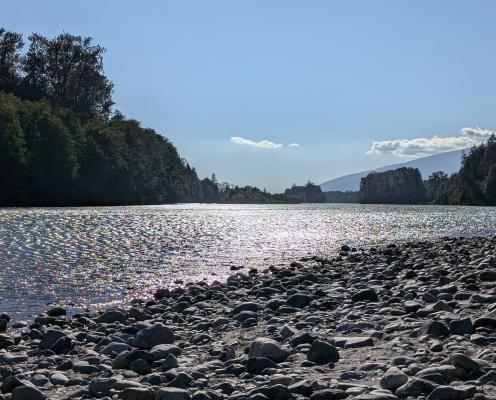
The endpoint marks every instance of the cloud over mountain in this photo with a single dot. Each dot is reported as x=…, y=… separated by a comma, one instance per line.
x=424, y=146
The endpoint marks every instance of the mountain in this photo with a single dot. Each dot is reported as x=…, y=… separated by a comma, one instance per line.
x=448, y=162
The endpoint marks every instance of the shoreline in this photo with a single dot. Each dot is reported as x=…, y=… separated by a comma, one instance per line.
x=404, y=320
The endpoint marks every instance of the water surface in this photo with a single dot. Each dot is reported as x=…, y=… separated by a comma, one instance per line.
x=95, y=256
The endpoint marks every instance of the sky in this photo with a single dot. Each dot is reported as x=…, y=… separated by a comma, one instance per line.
x=271, y=92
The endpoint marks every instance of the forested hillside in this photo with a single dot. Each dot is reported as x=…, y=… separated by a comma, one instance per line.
x=475, y=183
x=61, y=144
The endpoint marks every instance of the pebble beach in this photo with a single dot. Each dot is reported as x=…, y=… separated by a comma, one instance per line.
x=412, y=320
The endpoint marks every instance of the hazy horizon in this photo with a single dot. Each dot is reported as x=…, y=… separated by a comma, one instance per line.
x=268, y=94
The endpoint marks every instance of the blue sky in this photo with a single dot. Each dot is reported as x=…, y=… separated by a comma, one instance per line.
x=333, y=77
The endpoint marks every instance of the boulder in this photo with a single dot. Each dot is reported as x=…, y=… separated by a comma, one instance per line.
x=461, y=392
x=365, y=295
x=435, y=329
x=416, y=387
x=153, y=335
x=27, y=393
x=299, y=300
x=393, y=379
x=322, y=352
x=268, y=348
x=111, y=316
x=462, y=326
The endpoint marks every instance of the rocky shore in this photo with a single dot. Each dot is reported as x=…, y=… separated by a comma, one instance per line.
x=407, y=321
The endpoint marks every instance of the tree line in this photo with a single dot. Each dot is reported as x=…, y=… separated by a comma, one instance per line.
x=474, y=184
x=230, y=194
x=61, y=143
x=399, y=186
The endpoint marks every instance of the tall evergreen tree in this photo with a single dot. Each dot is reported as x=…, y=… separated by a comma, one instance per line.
x=490, y=186
x=10, y=58
x=12, y=155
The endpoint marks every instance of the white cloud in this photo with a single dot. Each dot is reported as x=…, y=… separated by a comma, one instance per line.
x=265, y=144
x=424, y=146
x=477, y=132
x=294, y=145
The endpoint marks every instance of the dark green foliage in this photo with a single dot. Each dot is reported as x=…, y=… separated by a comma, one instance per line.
x=245, y=195
x=68, y=70
x=310, y=193
x=341, y=197
x=209, y=190
x=475, y=183
x=12, y=154
x=10, y=57
x=52, y=159
x=435, y=184
x=48, y=158
x=490, y=186
x=212, y=192
x=399, y=186
x=58, y=144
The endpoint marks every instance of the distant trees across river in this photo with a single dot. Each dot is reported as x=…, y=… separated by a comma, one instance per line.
x=474, y=184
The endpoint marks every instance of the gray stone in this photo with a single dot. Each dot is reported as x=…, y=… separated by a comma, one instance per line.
x=288, y=331
x=434, y=328
x=258, y=364
x=84, y=367
x=50, y=338
x=153, y=335
x=161, y=351
x=465, y=362
x=57, y=312
x=114, y=347
x=416, y=387
x=6, y=341
x=461, y=392
x=111, y=316
x=487, y=378
x=461, y=326
x=268, y=348
x=393, y=379
x=140, y=366
x=248, y=306
x=182, y=380
x=329, y=394
x=299, y=300
x=27, y=393
x=365, y=295
x=353, y=341
x=172, y=394
x=170, y=362
x=137, y=393
x=58, y=378
x=3, y=324
x=101, y=386
x=488, y=275
x=322, y=352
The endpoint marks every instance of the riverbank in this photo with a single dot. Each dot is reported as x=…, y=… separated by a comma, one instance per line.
x=400, y=321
